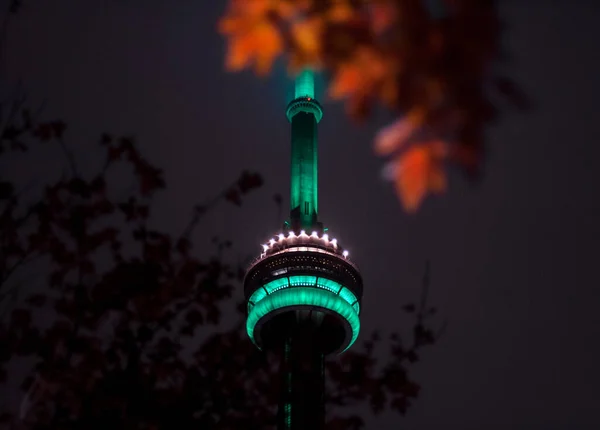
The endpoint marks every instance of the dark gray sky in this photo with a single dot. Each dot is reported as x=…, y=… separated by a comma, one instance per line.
x=514, y=259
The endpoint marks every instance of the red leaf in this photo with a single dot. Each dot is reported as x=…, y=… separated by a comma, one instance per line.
x=419, y=170
x=114, y=153
x=43, y=132
x=249, y=181
x=105, y=139
x=194, y=317
x=21, y=318
x=37, y=300
x=233, y=196
x=183, y=246
x=58, y=128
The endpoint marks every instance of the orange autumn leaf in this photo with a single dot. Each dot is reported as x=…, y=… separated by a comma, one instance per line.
x=230, y=25
x=307, y=36
x=407, y=69
x=239, y=53
x=389, y=91
x=411, y=178
x=382, y=15
x=418, y=171
x=340, y=11
x=260, y=46
x=394, y=136
x=360, y=76
x=346, y=81
x=252, y=38
x=438, y=151
x=438, y=181
x=287, y=8
x=258, y=9
x=253, y=8
x=269, y=45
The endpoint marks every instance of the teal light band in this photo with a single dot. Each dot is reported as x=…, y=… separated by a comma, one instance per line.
x=304, y=281
x=258, y=295
x=303, y=296
x=273, y=286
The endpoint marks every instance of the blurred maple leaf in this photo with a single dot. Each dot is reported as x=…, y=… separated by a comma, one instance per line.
x=306, y=37
x=382, y=15
x=365, y=75
x=112, y=353
x=340, y=11
x=253, y=38
x=429, y=61
x=419, y=170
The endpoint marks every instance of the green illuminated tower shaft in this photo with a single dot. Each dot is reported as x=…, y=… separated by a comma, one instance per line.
x=302, y=377
x=304, y=112
x=303, y=294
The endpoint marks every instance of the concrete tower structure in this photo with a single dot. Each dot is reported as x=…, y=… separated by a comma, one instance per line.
x=303, y=293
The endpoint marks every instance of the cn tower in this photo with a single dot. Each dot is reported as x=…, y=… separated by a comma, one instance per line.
x=303, y=292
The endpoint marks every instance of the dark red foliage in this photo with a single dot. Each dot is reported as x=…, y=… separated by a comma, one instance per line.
x=249, y=181
x=134, y=339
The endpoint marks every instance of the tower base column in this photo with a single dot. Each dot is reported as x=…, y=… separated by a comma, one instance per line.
x=302, y=404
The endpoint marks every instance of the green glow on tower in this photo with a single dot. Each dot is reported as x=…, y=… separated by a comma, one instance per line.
x=302, y=293
x=303, y=281
x=303, y=290
x=304, y=112
x=305, y=84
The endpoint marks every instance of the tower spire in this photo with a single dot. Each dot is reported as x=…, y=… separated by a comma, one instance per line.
x=305, y=84
x=304, y=112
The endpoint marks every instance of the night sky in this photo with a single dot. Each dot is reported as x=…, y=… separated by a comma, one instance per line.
x=514, y=259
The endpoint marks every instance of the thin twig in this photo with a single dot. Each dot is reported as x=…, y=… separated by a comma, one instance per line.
x=16, y=105
x=424, y=294
x=4, y=30
x=200, y=210
x=70, y=157
x=22, y=261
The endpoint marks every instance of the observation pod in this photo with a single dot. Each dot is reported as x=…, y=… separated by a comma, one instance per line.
x=307, y=280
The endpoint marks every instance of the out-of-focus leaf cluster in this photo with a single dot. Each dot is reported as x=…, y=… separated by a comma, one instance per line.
x=125, y=327
x=430, y=61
